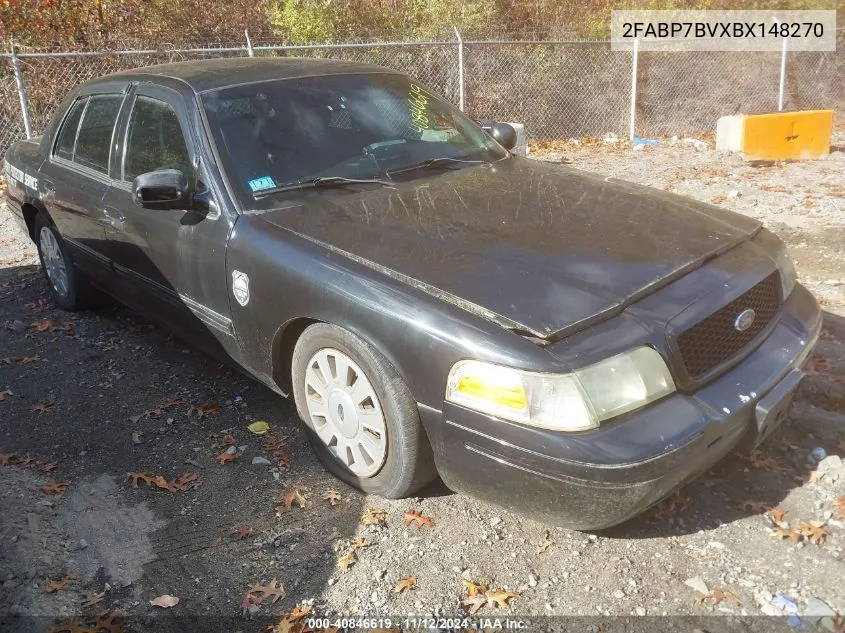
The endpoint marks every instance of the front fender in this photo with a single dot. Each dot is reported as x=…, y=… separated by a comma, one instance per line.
x=422, y=336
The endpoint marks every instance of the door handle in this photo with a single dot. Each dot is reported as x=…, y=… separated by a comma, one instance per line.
x=115, y=217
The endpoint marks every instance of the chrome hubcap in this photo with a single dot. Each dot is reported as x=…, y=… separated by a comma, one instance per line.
x=54, y=263
x=345, y=412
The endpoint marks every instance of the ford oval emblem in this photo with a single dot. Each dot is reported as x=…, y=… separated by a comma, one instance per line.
x=745, y=320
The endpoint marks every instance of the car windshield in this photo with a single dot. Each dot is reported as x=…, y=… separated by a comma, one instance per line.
x=358, y=126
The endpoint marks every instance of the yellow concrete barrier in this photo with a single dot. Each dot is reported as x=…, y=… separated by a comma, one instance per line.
x=777, y=136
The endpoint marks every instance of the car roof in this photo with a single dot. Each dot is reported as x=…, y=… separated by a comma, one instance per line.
x=210, y=74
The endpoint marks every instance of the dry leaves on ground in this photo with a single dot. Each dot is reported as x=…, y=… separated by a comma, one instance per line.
x=226, y=457
x=414, y=516
x=4, y=393
x=787, y=532
x=41, y=407
x=286, y=504
x=271, y=589
x=405, y=584
x=360, y=543
x=817, y=365
x=182, y=483
x=292, y=622
x=53, y=586
x=815, y=531
x=839, y=504
x=347, y=560
x=55, y=488
x=777, y=515
x=242, y=531
x=275, y=444
x=333, y=497
x=670, y=506
x=204, y=410
x=374, y=516
x=165, y=601
x=753, y=506
x=759, y=461
x=479, y=595
x=811, y=477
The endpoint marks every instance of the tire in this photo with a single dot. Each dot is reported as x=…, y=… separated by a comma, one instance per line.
x=408, y=462
x=68, y=286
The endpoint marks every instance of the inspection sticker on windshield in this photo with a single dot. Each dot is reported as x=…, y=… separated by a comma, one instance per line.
x=259, y=184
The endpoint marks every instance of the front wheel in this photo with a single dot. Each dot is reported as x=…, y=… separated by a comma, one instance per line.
x=362, y=421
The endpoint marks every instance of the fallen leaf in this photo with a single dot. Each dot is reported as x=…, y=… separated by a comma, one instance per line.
x=374, y=516
x=248, y=600
x=242, y=531
x=28, y=360
x=670, y=506
x=700, y=598
x=109, y=622
x=414, y=516
x=753, y=506
x=789, y=533
x=759, y=461
x=723, y=594
x=160, y=482
x=53, y=586
x=405, y=583
x=777, y=514
x=814, y=531
x=74, y=625
x=226, y=458
x=41, y=407
x=183, y=482
x=7, y=459
x=271, y=590
x=90, y=598
x=46, y=468
x=291, y=622
x=259, y=427
x=55, y=488
x=839, y=504
x=474, y=588
x=43, y=325
x=5, y=393
x=294, y=496
x=544, y=543
x=360, y=543
x=474, y=603
x=817, y=365
x=135, y=477
x=333, y=497
x=165, y=601
x=500, y=597
x=205, y=409
x=347, y=560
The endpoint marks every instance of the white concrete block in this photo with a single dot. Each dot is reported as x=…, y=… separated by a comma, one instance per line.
x=729, y=133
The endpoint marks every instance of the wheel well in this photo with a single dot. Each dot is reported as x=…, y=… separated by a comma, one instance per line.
x=283, y=344
x=29, y=213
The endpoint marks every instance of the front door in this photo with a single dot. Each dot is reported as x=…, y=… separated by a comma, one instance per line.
x=170, y=263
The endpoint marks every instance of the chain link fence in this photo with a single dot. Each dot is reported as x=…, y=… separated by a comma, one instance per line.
x=557, y=89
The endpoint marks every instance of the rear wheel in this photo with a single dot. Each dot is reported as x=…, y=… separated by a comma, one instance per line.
x=69, y=288
x=362, y=421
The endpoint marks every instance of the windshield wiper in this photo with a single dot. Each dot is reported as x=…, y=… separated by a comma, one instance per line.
x=322, y=181
x=434, y=162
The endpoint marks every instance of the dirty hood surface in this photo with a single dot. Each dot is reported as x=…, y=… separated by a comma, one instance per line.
x=538, y=247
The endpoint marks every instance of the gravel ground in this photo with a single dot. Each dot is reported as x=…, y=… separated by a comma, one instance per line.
x=102, y=394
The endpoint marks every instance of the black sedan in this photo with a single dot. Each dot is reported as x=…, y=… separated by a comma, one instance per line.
x=565, y=344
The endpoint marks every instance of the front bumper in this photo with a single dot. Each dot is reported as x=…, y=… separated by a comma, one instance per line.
x=606, y=476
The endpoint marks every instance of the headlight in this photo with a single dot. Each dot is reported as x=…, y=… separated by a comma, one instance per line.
x=787, y=271
x=562, y=402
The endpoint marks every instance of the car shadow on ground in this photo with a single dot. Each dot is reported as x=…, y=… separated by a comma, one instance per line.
x=106, y=393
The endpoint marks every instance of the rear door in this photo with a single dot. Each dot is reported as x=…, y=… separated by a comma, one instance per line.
x=75, y=179
x=171, y=263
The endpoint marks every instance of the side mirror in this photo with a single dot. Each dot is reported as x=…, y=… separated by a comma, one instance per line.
x=504, y=134
x=163, y=189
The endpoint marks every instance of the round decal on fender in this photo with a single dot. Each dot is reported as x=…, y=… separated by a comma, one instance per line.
x=240, y=287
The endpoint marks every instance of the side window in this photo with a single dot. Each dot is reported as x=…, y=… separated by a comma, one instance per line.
x=67, y=135
x=155, y=140
x=93, y=141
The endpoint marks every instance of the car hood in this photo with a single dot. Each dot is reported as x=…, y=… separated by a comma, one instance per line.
x=540, y=248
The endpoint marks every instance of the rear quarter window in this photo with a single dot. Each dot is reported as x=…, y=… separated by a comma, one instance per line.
x=67, y=135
